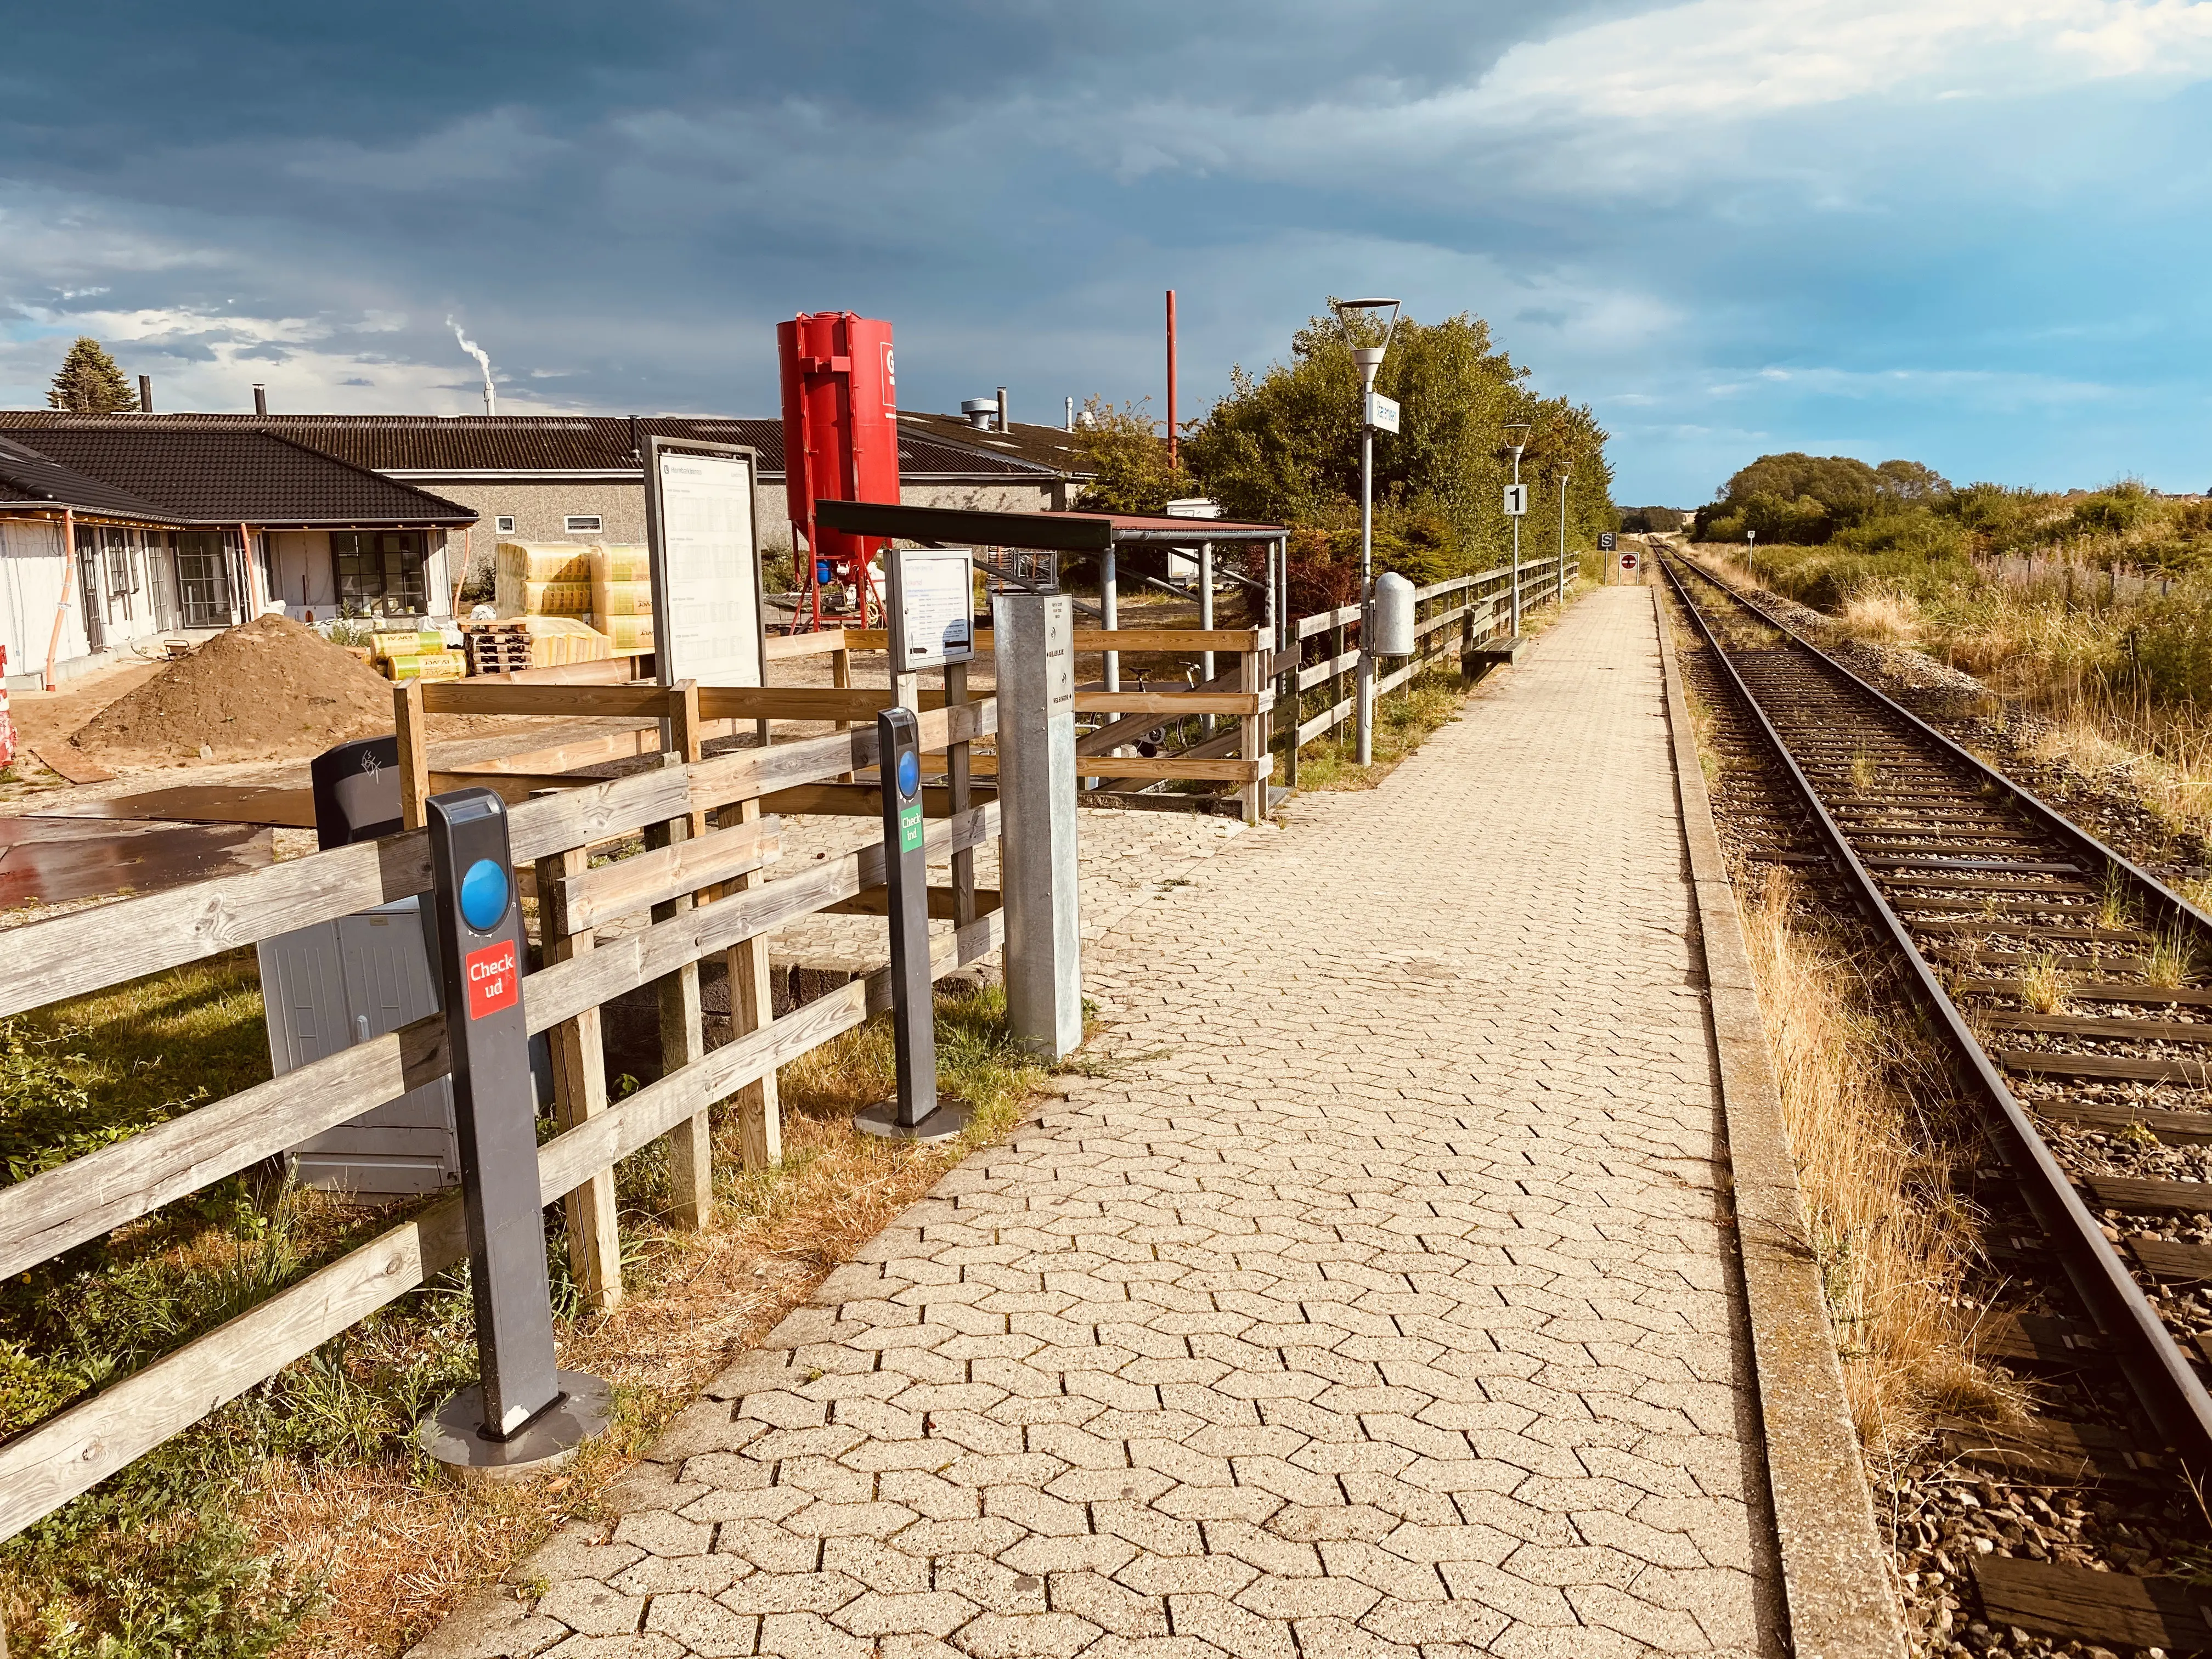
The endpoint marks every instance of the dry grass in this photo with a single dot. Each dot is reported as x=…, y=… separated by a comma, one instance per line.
x=1883, y=614
x=1894, y=1241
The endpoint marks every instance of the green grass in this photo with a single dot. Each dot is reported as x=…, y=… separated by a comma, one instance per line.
x=1404, y=720
x=155, y=1563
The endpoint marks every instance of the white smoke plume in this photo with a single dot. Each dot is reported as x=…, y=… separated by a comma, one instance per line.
x=483, y=361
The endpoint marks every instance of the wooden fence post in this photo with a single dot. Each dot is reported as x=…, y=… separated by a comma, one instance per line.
x=411, y=724
x=841, y=676
x=683, y=1026
x=1252, y=736
x=752, y=1006
x=579, y=1092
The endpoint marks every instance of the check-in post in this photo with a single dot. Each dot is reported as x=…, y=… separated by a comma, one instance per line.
x=523, y=1413
x=932, y=626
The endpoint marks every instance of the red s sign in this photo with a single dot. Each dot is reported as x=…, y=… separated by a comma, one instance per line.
x=494, y=983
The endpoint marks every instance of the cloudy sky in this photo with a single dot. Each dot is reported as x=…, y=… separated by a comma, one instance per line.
x=1970, y=232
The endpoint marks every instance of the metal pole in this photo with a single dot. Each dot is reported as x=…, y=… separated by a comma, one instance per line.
x=1206, y=618
x=1366, y=712
x=1563, y=477
x=1109, y=615
x=1516, y=549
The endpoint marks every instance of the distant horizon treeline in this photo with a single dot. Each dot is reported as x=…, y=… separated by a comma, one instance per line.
x=1283, y=447
x=1906, y=512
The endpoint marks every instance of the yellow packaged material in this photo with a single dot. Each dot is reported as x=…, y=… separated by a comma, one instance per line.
x=622, y=599
x=518, y=563
x=557, y=640
x=428, y=666
x=382, y=646
x=620, y=562
x=628, y=633
x=556, y=600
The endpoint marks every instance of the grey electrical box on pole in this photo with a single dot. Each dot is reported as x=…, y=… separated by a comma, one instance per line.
x=523, y=1411
x=913, y=1113
x=1393, y=622
x=1035, y=673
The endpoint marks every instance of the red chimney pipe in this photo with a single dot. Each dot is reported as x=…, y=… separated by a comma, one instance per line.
x=1171, y=387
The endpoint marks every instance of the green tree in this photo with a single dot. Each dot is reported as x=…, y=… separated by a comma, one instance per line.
x=89, y=383
x=1129, y=458
x=1283, y=447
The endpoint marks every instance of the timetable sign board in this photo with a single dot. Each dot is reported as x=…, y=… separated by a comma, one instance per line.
x=932, y=607
x=701, y=534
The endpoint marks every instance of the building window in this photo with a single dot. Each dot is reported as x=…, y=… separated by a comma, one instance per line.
x=203, y=577
x=380, y=572
x=506, y=523
x=583, y=524
x=122, y=572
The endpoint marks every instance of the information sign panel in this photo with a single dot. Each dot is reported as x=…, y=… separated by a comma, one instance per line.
x=1516, y=501
x=1381, y=412
x=701, y=538
x=932, y=607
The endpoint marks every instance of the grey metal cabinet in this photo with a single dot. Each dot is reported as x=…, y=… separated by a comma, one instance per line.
x=337, y=983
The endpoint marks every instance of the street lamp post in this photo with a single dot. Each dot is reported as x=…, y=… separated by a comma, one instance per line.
x=1369, y=359
x=1519, y=443
x=1563, y=477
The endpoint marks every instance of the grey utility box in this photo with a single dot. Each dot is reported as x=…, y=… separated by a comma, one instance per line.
x=329, y=986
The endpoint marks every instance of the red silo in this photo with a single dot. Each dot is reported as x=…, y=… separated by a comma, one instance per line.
x=839, y=434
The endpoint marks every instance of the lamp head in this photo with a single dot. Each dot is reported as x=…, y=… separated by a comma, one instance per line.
x=1516, y=436
x=1366, y=309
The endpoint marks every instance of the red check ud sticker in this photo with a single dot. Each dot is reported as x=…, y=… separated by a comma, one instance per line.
x=494, y=984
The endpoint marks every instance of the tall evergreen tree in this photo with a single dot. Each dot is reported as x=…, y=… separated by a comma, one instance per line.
x=89, y=383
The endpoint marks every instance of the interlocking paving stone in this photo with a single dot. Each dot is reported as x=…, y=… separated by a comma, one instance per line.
x=1371, y=1296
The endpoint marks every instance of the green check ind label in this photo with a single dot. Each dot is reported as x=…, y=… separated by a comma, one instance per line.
x=910, y=827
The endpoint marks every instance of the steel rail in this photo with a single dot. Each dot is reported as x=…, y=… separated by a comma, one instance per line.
x=2161, y=1374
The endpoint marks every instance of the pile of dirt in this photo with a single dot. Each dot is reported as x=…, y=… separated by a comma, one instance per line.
x=272, y=689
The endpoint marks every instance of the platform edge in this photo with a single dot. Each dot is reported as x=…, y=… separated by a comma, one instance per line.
x=1835, y=1575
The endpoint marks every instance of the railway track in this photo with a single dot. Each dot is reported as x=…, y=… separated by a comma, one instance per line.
x=2072, y=994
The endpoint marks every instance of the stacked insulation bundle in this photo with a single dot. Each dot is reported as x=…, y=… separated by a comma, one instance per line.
x=606, y=590
x=621, y=597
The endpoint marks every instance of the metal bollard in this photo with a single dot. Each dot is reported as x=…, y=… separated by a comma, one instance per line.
x=915, y=1113
x=523, y=1415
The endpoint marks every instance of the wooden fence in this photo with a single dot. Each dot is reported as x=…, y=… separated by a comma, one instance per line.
x=705, y=890
x=1481, y=606
x=2077, y=581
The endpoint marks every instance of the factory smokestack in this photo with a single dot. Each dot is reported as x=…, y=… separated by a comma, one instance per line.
x=483, y=362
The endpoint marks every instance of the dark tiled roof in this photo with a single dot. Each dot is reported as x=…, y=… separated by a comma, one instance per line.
x=549, y=443
x=226, y=475
x=1043, y=446
x=29, y=479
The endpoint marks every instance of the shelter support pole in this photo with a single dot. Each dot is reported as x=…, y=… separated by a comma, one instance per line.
x=958, y=765
x=683, y=1021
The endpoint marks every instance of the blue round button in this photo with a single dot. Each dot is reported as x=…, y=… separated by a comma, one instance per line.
x=483, y=895
x=909, y=772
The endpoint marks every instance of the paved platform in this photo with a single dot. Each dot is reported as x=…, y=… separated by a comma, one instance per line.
x=1373, y=1299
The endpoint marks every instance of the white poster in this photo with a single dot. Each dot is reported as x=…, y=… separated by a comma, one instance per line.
x=706, y=587
x=932, y=607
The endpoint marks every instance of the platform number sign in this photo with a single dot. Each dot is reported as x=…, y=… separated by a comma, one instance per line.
x=1516, y=501
x=1607, y=541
